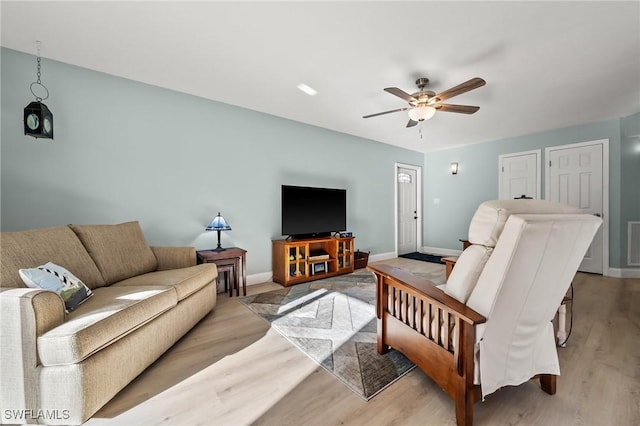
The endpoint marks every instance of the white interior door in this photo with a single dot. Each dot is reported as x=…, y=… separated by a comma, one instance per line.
x=407, y=210
x=575, y=177
x=520, y=175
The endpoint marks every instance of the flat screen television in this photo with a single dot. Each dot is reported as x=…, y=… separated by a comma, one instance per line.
x=309, y=212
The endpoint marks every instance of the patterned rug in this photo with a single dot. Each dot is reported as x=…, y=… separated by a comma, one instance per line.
x=333, y=321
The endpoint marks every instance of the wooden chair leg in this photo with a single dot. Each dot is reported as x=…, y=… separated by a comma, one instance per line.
x=464, y=409
x=548, y=383
x=382, y=348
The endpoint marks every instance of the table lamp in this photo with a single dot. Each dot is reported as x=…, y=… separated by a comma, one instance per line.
x=218, y=224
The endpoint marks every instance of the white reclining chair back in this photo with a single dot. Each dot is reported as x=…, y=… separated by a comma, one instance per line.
x=490, y=325
x=537, y=249
x=484, y=231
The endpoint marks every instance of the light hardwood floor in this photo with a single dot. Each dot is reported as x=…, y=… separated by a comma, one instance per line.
x=231, y=369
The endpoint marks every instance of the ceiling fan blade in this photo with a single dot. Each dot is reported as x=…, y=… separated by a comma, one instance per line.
x=411, y=123
x=463, y=109
x=401, y=94
x=474, y=83
x=385, y=112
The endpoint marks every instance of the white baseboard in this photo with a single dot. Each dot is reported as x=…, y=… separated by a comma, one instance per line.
x=260, y=278
x=624, y=273
x=382, y=256
x=440, y=251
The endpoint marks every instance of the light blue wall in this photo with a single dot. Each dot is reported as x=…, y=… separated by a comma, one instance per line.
x=477, y=181
x=630, y=178
x=124, y=151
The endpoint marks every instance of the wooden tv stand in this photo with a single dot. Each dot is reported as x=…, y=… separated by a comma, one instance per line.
x=299, y=261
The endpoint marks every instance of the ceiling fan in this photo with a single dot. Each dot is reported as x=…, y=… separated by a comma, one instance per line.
x=424, y=103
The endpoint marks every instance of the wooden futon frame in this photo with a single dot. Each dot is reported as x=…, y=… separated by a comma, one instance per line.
x=435, y=331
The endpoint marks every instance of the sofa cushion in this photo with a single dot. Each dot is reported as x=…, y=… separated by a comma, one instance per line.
x=489, y=219
x=185, y=280
x=113, y=312
x=57, y=279
x=464, y=276
x=60, y=245
x=120, y=251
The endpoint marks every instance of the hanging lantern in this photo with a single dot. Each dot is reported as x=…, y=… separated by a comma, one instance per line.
x=38, y=118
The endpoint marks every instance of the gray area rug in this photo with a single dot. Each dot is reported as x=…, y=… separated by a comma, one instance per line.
x=333, y=321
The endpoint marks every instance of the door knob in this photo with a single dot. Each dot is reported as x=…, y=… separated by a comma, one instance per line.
x=597, y=214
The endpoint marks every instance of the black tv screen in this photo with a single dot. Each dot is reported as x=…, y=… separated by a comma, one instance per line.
x=310, y=212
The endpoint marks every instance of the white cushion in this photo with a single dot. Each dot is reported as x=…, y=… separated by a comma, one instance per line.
x=489, y=219
x=465, y=274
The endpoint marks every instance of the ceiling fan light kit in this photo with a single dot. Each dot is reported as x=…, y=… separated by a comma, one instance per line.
x=424, y=103
x=422, y=113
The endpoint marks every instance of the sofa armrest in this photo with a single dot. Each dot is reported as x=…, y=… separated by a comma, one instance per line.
x=25, y=314
x=174, y=257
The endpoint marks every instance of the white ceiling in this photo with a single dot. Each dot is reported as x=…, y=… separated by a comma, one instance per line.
x=547, y=65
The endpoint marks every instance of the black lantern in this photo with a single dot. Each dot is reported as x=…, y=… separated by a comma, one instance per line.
x=38, y=119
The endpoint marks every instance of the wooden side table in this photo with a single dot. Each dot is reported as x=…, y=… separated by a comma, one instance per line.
x=234, y=256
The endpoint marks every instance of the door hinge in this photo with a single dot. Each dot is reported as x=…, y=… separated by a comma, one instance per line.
x=502, y=169
x=549, y=163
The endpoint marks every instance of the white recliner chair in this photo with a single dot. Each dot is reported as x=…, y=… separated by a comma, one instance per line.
x=490, y=325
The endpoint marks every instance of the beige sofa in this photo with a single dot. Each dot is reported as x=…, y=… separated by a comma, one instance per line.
x=59, y=368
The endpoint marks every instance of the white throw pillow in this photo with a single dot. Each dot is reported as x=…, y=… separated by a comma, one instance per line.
x=59, y=280
x=465, y=274
x=489, y=219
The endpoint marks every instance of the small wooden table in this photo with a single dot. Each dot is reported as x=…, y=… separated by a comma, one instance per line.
x=231, y=256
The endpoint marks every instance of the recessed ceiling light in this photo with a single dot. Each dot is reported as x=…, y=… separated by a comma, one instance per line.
x=306, y=89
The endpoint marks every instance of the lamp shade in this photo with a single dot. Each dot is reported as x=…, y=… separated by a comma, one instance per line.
x=218, y=224
x=422, y=113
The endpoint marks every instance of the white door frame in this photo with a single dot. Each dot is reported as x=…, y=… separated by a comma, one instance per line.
x=418, y=171
x=517, y=154
x=605, y=191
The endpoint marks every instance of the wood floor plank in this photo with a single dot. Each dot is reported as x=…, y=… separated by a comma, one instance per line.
x=232, y=369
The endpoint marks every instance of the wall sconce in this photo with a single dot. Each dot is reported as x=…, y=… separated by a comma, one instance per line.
x=454, y=168
x=38, y=119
